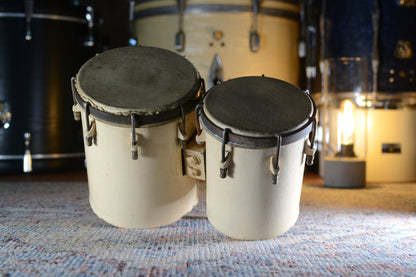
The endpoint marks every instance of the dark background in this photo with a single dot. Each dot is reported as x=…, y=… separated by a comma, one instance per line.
x=113, y=19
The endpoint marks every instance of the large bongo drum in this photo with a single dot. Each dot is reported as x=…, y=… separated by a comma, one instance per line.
x=259, y=132
x=136, y=105
x=43, y=43
x=225, y=39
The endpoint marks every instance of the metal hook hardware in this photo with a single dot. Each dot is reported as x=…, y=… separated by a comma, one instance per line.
x=28, y=13
x=225, y=156
x=90, y=135
x=182, y=137
x=180, y=35
x=274, y=161
x=198, y=109
x=77, y=114
x=216, y=71
x=134, y=141
x=309, y=150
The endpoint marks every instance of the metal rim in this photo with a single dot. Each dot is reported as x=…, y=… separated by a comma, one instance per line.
x=45, y=16
x=44, y=156
x=217, y=8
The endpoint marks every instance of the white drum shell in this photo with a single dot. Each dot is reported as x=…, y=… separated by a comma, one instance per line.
x=246, y=205
x=277, y=56
x=144, y=193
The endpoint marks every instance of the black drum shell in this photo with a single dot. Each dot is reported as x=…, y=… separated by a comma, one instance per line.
x=35, y=82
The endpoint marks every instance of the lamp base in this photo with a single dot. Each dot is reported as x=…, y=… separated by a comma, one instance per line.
x=344, y=172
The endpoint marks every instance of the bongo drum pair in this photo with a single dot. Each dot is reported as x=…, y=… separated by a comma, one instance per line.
x=138, y=106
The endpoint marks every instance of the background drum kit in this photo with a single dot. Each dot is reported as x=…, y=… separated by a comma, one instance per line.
x=201, y=90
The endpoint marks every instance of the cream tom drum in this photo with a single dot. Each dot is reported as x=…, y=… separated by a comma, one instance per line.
x=224, y=39
x=136, y=106
x=259, y=132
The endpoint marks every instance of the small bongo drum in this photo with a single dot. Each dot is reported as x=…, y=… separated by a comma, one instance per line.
x=259, y=133
x=136, y=106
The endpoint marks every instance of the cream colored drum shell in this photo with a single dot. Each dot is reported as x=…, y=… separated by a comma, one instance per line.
x=246, y=205
x=144, y=193
x=277, y=56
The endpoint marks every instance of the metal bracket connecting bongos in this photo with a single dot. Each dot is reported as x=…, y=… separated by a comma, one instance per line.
x=225, y=155
x=274, y=161
x=198, y=109
x=28, y=14
x=134, y=139
x=180, y=35
x=90, y=135
x=89, y=16
x=254, y=35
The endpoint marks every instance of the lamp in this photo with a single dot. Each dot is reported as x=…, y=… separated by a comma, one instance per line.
x=345, y=110
x=346, y=125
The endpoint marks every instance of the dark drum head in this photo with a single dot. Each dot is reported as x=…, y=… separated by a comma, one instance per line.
x=140, y=80
x=258, y=107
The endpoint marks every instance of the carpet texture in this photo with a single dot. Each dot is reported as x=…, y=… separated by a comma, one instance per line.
x=49, y=229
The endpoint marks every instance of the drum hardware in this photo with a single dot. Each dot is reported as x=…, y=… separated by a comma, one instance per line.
x=274, y=161
x=91, y=130
x=213, y=8
x=28, y=13
x=195, y=160
x=180, y=35
x=134, y=138
x=258, y=142
x=76, y=112
x=132, y=39
x=227, y=137
x=216, y=71
x=89, y=16
x=225, y=155
x=254, y=35
x=182, y=137
x=403, y=50
x=5, y=114
x=27, y=157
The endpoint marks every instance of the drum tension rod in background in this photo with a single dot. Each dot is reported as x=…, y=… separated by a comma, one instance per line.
x=180, y=35
x=29, y=13
x=254, y=35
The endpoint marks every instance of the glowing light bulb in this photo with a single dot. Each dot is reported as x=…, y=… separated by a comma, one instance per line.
x=346, y=122
x=346, y=127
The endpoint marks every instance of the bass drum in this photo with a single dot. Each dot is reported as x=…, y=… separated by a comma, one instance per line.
x=43, y=44
x=225, y=39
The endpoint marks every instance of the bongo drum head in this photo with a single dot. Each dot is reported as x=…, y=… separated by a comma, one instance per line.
x=258, y=106
x=140, y=80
